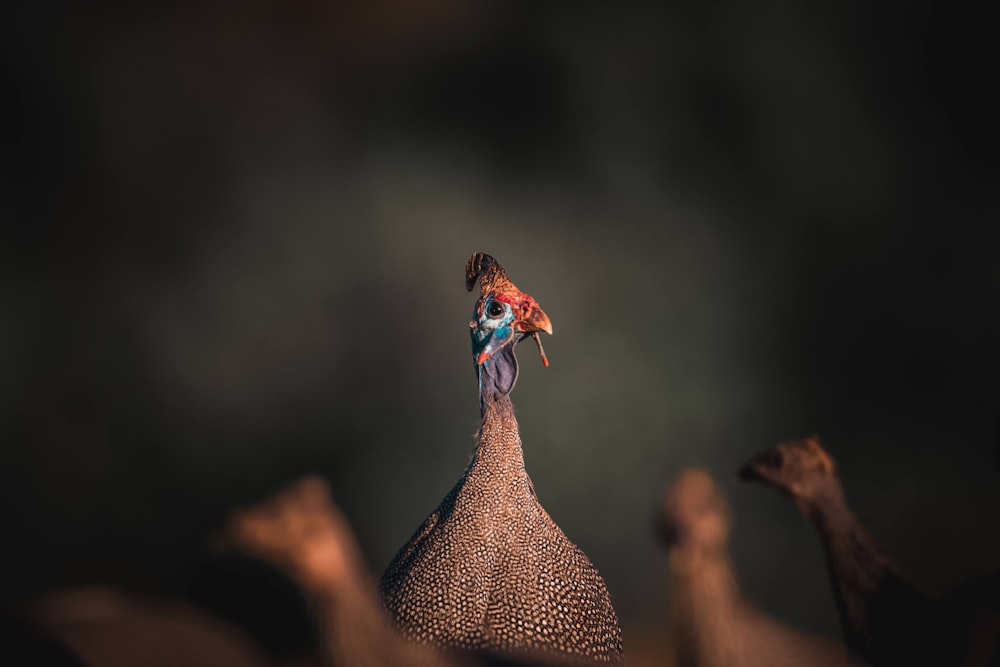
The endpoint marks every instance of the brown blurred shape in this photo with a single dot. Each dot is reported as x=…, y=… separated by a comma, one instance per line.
x=302, y=532
x=105, y=627
x=884, y=618
x=711, y=623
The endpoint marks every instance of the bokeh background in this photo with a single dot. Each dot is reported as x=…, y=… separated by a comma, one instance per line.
x=234, y=236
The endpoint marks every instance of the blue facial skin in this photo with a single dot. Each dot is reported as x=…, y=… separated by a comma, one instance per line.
x=491, y=333
x=495, y=337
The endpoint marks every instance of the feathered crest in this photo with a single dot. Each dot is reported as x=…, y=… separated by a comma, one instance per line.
x=489, y=273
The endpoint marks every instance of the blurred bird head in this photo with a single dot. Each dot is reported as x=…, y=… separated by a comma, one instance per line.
x=504, y=315
x=800, y=469
x=301, y=531
x=694, y=514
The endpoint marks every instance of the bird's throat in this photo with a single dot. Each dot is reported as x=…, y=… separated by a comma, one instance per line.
x=499, y=440
x=497, y=376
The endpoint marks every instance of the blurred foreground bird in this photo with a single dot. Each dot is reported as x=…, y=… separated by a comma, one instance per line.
x=711, y=624
x=489, y=571
x=108, y=627
x=884, y=618
x=302, y=533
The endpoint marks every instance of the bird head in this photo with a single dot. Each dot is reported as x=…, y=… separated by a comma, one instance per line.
x=504, y=315
x=694, y=514
x=799, y=469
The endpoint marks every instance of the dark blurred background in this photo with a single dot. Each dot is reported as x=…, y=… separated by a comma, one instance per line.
x=234, y=236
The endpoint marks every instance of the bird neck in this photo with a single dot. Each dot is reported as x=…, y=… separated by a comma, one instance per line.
x=827, y=509
x=704, y=574
x=855, y=557
x=704, y=603
x=499, y=440
x=866, y=582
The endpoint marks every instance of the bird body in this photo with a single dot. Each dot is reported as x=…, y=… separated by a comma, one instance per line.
x=489, y=570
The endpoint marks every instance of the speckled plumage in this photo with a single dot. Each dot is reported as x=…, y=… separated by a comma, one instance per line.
x=489, y=570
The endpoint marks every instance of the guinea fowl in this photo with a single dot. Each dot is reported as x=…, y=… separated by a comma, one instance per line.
x=884, y=619
x=489, y=571
x=109, y=627
x=711, y=624
x=302, y=533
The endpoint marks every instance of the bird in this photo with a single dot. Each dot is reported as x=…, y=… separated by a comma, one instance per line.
x=301, y=532
x=711, y=624
x=884, y=618
x=107, y=626
x=489, y=571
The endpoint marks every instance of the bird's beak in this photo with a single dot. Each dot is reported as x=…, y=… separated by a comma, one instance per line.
x=763, y=468
x=667, y=529
x=749, y=472
x=534, y=321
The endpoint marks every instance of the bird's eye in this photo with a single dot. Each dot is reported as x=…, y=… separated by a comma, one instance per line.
x=494, y=310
